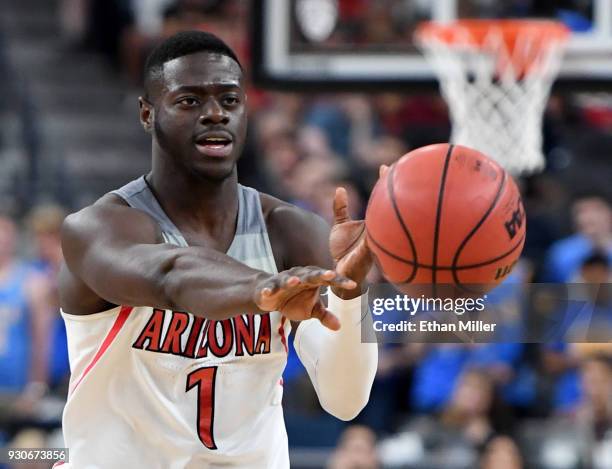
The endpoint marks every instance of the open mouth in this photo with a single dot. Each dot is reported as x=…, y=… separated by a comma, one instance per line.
x=217, y=146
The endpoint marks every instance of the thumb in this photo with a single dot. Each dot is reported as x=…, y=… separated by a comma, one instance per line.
x=341, y=213
x=327, y=318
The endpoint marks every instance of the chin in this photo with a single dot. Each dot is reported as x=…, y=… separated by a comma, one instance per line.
x=216, y=174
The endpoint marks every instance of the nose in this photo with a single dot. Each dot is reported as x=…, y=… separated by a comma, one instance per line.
x=213, y=113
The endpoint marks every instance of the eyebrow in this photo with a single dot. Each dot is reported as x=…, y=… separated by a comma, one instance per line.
x=203, y=88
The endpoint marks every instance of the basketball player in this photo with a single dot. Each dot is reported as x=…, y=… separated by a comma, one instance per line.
x=179, y=289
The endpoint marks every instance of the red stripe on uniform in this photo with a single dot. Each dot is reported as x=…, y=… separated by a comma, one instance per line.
x=281, y=331
x=108, y=340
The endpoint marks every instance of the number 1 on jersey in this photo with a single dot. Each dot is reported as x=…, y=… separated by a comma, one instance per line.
x=204, y=380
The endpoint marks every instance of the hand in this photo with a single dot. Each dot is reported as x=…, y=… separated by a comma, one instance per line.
x=296, y=294
x=347, y=243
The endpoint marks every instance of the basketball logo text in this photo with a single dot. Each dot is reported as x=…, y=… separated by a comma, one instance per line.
x=516, y=221
x=505, y=270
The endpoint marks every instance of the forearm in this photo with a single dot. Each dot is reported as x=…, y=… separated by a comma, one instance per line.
x=197, y=280
x=341, y=367
x=211, y=284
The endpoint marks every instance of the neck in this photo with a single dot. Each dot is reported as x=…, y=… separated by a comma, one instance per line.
x=195, y=202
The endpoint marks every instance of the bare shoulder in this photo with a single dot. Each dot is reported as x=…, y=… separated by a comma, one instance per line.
x=109, y=215
x=92, y=236
x=302, y=235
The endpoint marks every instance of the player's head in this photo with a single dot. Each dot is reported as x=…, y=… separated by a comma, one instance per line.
x=194, y=104
x=45, y=223
x=592, y=214
x=596, y=374
x=596, y=268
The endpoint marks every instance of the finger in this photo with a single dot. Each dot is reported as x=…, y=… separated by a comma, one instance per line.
x=319, y=275
x=292, y=281
x=341, y=213
x=270, y=287
x=327, y=318
x=382, y=170
x=331, y=278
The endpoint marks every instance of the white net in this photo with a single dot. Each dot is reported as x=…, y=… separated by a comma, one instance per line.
x=497, y=89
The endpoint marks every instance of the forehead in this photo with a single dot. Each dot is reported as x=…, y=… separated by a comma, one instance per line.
x=201, y=69
x=590, y=203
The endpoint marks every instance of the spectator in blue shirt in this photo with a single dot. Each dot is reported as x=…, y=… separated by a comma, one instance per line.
x=44, y=223
x=592, y=215
x=24, y=326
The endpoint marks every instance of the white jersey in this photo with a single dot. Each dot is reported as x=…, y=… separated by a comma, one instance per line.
x=167, y=389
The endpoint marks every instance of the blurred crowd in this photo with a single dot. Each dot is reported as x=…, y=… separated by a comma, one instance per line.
x=499, y=406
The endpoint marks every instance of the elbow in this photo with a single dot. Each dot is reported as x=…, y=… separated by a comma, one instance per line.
x=348, y=392
x=347, y=408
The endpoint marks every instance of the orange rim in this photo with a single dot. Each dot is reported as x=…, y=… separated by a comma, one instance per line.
x=548, y=31
x=540, y=34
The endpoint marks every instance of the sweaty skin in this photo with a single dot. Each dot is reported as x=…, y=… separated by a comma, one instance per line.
x=115, y=255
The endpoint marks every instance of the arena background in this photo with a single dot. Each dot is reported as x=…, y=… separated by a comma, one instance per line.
x=71, y=72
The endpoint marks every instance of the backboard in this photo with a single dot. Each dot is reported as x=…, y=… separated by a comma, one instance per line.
x=361, y=44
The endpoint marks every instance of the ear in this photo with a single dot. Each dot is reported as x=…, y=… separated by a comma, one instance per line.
x=147, y=114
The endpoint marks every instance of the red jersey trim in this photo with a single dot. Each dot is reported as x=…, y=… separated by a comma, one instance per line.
x=281, y=331
x=108, y=340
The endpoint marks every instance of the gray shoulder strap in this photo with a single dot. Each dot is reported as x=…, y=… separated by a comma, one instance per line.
x=251, y=218
x=138, y=195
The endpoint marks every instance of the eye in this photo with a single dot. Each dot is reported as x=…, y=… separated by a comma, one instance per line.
x=230, y=100
x=188, y=101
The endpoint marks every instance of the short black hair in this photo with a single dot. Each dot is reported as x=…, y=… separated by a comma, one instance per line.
x=179, y=45
x=590, y=193
x=597, y=258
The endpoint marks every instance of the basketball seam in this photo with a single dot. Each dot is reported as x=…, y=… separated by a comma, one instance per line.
x=444, y=267
x=434, y=259
x=391, y=192
x=502, y=185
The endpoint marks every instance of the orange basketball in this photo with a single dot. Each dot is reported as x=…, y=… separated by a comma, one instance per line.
x=446, y=214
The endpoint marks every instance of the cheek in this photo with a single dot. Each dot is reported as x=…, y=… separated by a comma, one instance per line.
x=169, y=117
x=242, y=124
x=169, y=126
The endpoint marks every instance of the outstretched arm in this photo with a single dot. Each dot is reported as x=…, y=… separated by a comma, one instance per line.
x=116, y=253
x=340, y=366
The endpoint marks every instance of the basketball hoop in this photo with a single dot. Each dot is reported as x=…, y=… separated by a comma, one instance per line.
x=496, y=77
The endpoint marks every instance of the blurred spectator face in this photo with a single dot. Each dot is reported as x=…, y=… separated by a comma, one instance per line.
x=313, y=142
x=8, y=239
x=597, y=380
x=385, y=150
x=595, y=273
x=45, y=222
x=282, y=155
x=323, y=196
x=308, y=178
x=290, y=103
x=501, y=453
x=389, y=103
x=593, y=217
x=357, y=450
x=474, y=394
x=272, y=126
